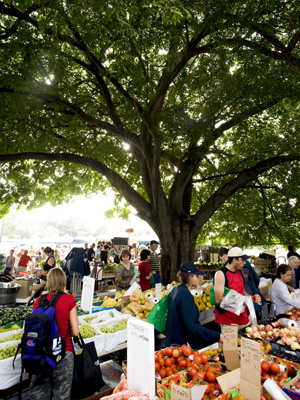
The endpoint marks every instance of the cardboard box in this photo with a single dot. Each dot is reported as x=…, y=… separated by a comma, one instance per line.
x=25, y=289
x=286, y=388
x=125, y=300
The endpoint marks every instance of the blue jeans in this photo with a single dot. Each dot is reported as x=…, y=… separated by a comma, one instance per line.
x=156, y=277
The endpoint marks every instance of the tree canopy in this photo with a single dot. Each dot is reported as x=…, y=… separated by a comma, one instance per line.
x=188, y=109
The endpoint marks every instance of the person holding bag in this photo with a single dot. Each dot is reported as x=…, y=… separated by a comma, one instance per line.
x=183, y=325
x=65, y=310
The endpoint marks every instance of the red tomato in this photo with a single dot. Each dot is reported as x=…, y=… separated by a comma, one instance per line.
x=182, y=363
x=176, y=353
x=169, y=371
x=274, y=368
x=168, y=362
x=198, y=359
x=210, y=376
x=204, y=358
x=262, y=397
x=157, y=366
x=156, y=357
x=192, y=371
x=168, y=351
x=207, y=391
x=195, y=353
x=173, y=359
x=265, y=366
x=187, y=351
x=174, y=368
x=188, y=364
x=162, y=373
x=161, y=361
x=200, y=375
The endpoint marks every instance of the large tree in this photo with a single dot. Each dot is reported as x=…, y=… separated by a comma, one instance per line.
x=188, y=109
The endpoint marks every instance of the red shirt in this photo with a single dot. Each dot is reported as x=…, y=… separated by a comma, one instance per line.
x=144, y=269
x=64, y=305
x=235, y=282
x=24, y=260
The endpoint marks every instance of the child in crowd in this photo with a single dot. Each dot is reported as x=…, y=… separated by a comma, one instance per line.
x=144, y=269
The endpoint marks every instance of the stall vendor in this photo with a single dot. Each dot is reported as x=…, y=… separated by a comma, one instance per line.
x=183, y=325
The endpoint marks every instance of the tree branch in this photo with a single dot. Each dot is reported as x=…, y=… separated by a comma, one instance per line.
x=130, y=195
x=231, y=187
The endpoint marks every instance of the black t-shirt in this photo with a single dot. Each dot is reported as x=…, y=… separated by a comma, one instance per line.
x=89, y=253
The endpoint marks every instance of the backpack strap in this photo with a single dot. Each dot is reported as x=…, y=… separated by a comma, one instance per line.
x=44, y=302
x=55, y=298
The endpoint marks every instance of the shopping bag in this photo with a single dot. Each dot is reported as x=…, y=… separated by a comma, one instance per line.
x=87, y=376
x=158, y=315
x=212, y=295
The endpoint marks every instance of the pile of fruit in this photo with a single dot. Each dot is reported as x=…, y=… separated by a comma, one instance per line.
x=294, y=314
x=8, y=352
x=203, y=302
x=272, y=370
x=123, y=392
x=87, y=331
x=14, y=336
x=119, y=326
x=210, y=265
x=170, y=361
x=289, y=336
x=139, y=306
x=8, y=315
x=109, y=302
x=88, y=320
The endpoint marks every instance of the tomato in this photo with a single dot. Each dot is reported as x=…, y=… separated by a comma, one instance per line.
x=173, y=359
x=265, y=366
x=210, y=376
x=192, y=371
x=157, y=366
x=162, y=373
x=195, y=365
x=169, y=371
x=174, y=368
x=279, y=384
x=204, y=358
x=198, y=359
x=262, y=397
x=161, y=361
x=284, y=375
x=182, y=363
x=274, y=368
x=195, y=353
x=188, y=364
x=176, y=353
x=187, y=351
x=156, y=357
x=200, y=375
x=265, y=377
x=168, y=362
x=168, y=351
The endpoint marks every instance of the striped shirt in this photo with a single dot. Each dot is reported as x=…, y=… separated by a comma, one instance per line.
x=154, y=262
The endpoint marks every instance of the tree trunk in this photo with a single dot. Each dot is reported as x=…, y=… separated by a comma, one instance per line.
x=177, y=247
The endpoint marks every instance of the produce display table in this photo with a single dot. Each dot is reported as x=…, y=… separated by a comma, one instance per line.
x=23, y=301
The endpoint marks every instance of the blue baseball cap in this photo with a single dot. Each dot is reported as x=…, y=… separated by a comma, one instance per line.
x=190, y=268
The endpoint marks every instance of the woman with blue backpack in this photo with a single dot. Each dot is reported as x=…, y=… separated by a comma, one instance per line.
x=59, y=381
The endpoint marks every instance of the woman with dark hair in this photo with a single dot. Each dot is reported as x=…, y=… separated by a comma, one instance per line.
x=40, y=281
x=124, y=271
x=280, y=295
x=50, y=257
x=183, y=325
x=9, y=263
x=144, y=269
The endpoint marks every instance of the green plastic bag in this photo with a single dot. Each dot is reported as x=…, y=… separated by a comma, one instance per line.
x=158, y=315
x=212, y=295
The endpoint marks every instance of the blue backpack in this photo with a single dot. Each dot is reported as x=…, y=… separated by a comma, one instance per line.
x=42, y=347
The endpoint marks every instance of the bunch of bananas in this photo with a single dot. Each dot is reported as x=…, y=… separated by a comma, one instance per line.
x=109, y=302
x=120, y=293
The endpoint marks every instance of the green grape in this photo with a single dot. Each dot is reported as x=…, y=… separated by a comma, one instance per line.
x=15, y=336
x=8, y=352
x=120, y=326
x=89, y=319
x=87, y=331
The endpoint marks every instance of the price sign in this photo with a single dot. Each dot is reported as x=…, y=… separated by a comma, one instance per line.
x=140, y=357
x=230, y=346
x=158, y=291
x=250, y=369
x=87, y=294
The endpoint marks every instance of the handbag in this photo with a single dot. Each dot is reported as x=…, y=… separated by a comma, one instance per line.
x=158, y=315
x=87, y=376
